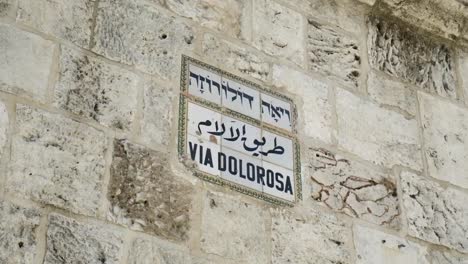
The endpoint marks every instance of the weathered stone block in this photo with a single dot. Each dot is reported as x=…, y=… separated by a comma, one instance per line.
x=18, y=233
x=332, y=52
x=234, y=229
x=25, y=63
x=391, y=93
x=69, y=241
x=445, y=132
x=145, y=251
x=316, y=239
x=435, y=214
x=405, y=54
x=66, y=19
x=463, y=59
x=236, y=57
x=441, y=257
x=156, y=120
x=56, y=161
x=315, y=108
x=376, y=134
x=93, y=89
x=352, y=188
x=141, y=35
x=4, y=128
x=278, y=30
x=227, y=16
x=8, y=9
x=145, y=195
x=373, y=246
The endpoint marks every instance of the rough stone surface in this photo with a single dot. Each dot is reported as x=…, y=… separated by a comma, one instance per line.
x=373, y=246
x=93, y=89
x=156, y=121
x=440, y=257
x=435, y=214
x=391, y=93
x=226, y=16
x=17, y=232
x=139, y=34
x=67, y=19
x=56, y=161
x=69, y=241
x=287, y=38
x=405, y=54
x=8, y=9
x=464, y=74
x=4, y=128
x=234, y=229
x=445, y=132
x=375, y=134
x=332, y=52
x=145, y=251
x=350, y=187
x=235, y=57
x=316, y=239
x=25, y=62
x=145, y=195
x=316, y=111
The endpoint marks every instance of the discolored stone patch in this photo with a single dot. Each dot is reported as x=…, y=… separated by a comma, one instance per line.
x=145, y=195
x=8, y=9
x=18, y=233
x=403, y=53
x=149, y=251
x=70, y=241
x=352, y=188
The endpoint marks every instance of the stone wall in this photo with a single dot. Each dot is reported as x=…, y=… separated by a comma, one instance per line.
x=89, y=171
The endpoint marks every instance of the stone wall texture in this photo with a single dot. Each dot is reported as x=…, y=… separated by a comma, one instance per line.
x=89, y=170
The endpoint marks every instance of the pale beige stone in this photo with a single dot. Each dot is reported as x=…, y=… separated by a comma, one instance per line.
x=8, y=9
x=234, y=229
x=463, y=59
x=70, y=241
x=18, y=241
x=379, y=135
x=373, y=246
x=4, y=128
x=150, y=251
x=434, y=213
x=66, y=19
x=237, y=57
x=315, y=108
x=441, y=257
x=317, y=238
x=278, y=30
x=93, y=89
x=142, y=35
x=352, y=188
x=25, y=63
x=56, y=161
x=445, y=132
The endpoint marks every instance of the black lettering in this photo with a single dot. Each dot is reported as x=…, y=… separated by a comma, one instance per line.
x=279, y=180
x=240, y=170
x=208, y=158
x=250, y=172
x=288, y=188
x=260, y=175
x=270, y=178
x=201, y=155
x=221, y=161
x=193, y=150
x=232, y=165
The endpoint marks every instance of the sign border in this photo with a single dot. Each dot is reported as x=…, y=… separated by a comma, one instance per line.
x=184, y=98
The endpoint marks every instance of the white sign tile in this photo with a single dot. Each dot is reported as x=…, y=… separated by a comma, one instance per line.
x=240, y=136
x=279, y=182
x=204, y=84
x=204, y=153
x=240, y=98
x=239, y=168
x=203, y=122
x=278, y=150
x=276, y=112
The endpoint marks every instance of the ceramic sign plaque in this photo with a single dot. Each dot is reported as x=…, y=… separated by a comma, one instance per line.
x=238, y=133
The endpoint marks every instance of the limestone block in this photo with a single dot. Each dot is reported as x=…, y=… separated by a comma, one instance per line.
x=352, y=188
x=332, y=52
x=17, y=232
x=156, y=120
x=8, y=9
x=145, y=195
x=93, y=89
x=70, y=241
x=463, y=59
x=226, y=16
x=403, y=53
x=315, y=109
x=66, y=19
x=373, y=246
x=234, y=229
x=56, y=161
x=435, y=214
x=25, y=63
x=388, y=92
x=141, y=35
x=445, y=132
x=315, y=239
x=278, y=30
x=4, y=128
x=240, y=58
x=379, y=135
x=146, y=251
x=441, y=257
